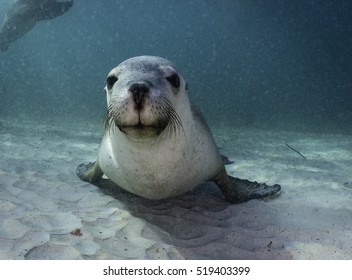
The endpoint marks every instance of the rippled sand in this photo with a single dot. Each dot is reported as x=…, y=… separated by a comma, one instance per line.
x=46, y=212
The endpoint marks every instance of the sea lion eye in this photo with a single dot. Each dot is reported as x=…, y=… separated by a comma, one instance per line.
x=174, y=80
x=110, y=81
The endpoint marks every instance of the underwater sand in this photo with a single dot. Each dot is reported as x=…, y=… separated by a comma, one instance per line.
x=46, y=212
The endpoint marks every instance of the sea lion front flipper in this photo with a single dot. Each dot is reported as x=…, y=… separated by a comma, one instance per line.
x=238, y=190
x=90, y=172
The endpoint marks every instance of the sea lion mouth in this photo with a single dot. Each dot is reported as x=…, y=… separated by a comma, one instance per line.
x=165, y=118
x=141, y=130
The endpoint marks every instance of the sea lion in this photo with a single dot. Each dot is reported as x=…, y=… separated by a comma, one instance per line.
x=156, y=144
x=24, y=14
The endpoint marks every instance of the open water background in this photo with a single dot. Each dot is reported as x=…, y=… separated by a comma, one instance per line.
x=267, y=64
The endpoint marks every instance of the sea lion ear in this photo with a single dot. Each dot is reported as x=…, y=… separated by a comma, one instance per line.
x=186, y=85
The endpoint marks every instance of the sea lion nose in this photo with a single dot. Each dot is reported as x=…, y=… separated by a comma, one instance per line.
x=138, y=91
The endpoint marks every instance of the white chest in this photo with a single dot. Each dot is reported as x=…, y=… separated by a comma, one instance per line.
x=159, y=168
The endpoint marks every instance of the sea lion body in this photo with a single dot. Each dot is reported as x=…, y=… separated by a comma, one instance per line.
x=156, y=144
x=23, y=15
x=162, y=167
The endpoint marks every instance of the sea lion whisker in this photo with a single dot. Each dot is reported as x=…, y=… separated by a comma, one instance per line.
x=174, y=121
x=111, y=115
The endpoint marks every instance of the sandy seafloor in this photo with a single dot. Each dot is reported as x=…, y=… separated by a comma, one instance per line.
x=43, y=204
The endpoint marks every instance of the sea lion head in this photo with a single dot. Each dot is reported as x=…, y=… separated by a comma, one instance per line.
x=145, y=96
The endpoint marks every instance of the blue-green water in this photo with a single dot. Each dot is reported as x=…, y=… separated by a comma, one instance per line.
x=271, y=64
